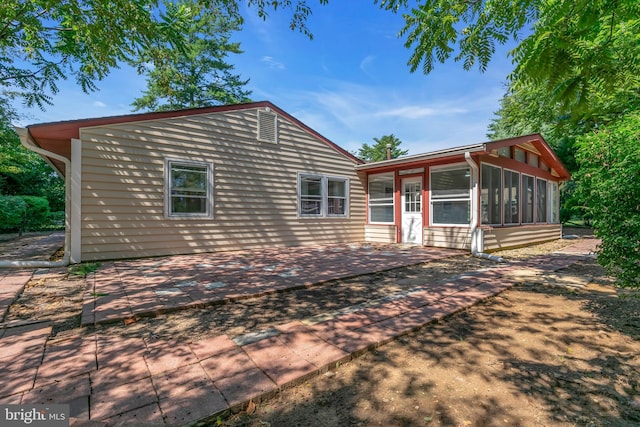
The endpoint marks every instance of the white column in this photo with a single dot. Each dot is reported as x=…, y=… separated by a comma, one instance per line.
x=76, y=201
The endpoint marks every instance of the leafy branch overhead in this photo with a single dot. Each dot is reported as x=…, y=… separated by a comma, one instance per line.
x=575, y=50
x=43, y=42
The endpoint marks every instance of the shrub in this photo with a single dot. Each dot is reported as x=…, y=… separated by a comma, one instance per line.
x=12, y=211
x=609, y=185
x=38, y=212
x=23, y=213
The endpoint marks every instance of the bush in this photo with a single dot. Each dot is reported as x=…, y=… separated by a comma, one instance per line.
x=23, y=213
x=609, y=185
x=12, y=211
x=37, y=213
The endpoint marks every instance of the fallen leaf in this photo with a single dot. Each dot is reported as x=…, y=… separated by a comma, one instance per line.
x=251, y=407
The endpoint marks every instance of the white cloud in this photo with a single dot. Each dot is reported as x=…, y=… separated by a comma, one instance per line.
x=366, y=63
x=417, y=112
x=99, y=104
x=351, y=114
x=272, y=63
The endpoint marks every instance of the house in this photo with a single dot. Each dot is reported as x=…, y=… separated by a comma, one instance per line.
x=480, y=197
x=252, y=176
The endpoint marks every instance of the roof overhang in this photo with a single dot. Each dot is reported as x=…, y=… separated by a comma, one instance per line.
x=533, y=142
x=422, y=158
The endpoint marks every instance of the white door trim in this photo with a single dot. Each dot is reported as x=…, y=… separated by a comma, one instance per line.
x=411, y=211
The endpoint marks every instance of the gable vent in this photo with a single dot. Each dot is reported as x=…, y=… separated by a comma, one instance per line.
x=267, y=126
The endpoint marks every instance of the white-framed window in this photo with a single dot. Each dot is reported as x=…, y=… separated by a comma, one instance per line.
x=450, y=188
x=381, y=206
x=541, y=200
x=511, y=196
x=528, y=200
x=490, y=194
x=188, y=189
x=322, y=196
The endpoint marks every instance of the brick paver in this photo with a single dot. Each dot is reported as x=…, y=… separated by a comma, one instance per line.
x=124, y=381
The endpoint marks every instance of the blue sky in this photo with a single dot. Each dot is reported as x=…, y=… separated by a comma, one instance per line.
x=351, y=83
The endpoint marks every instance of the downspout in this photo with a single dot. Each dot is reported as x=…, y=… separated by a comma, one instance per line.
x=25, y=139
x=475, y=232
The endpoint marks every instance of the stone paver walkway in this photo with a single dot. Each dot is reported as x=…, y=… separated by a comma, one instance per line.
x=114, y=381
x=124, y=289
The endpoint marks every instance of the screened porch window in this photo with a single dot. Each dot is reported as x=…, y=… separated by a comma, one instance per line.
x=491, y=190
x=450, y=196
x=322, y=196
x=528, y=202
x=381, y=206
x=541, y=200
x=189, y=189
x=511, y=197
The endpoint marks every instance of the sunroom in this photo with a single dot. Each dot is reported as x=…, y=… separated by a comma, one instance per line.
x=481, y=197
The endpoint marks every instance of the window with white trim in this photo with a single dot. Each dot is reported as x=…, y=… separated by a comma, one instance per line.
x=528, y=192
x=381, y=207
x=188, y=189
x=490, y=194
x=541, y=200
x=450, y=195
x=511, y=196
x=322, y=196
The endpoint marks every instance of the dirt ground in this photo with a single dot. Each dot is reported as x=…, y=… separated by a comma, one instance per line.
x=556, y=350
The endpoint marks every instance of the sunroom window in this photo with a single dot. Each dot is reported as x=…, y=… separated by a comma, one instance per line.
x=541, y=200
x=491, y=189
x=511, y=197
x=450, y=196
x=381, y=206
x=554, y=209
x=189, y=189
x=528, y=192
x=322, y=196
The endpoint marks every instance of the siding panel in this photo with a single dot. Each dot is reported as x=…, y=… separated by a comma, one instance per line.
x=255, y=187
x=510, y=237
x=380, y=233
x=448, y=237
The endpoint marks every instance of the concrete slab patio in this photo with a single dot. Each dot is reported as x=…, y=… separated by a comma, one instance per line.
x=110, y=380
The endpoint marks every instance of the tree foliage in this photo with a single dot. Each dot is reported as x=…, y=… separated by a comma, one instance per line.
x=378, y=151
x=197, y=75
x=43, y=41
x=23, y=172
x=609, y=185
x=583, y=53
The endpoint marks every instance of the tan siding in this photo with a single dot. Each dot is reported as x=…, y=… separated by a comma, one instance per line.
x=509, y=237
x=380, y=233
x=255, y=187
x=448, y=237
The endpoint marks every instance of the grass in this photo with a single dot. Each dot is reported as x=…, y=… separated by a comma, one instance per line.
x=84, y=268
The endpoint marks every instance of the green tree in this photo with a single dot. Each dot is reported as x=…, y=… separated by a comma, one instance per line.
x=609, y=184
x=43, y=41
x=583, y=53
x=24, y=173
x=378, y=151
x=197, y=75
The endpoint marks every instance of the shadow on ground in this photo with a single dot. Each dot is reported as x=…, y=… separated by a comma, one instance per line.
x=541, y=354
